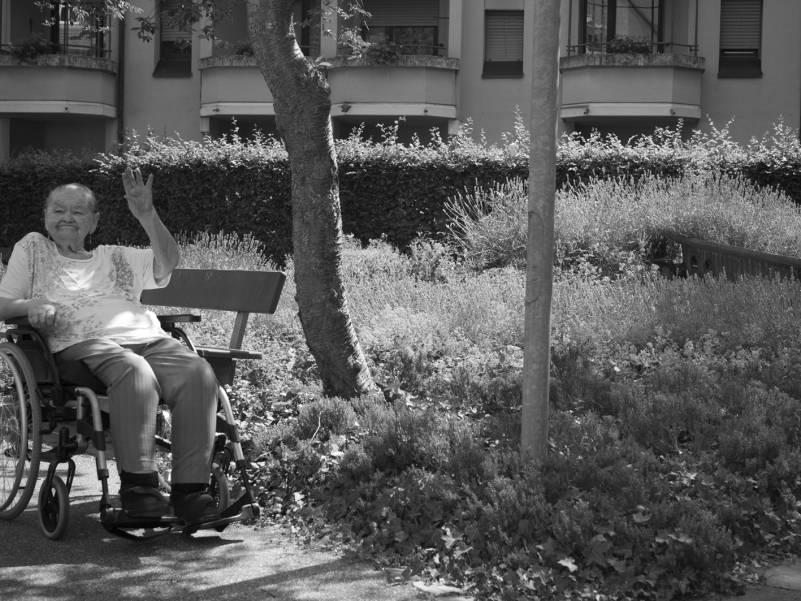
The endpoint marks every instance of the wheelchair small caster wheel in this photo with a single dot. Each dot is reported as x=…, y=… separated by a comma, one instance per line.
x=54, y=508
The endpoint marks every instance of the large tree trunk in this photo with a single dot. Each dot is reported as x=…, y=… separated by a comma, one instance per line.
x=303, y=116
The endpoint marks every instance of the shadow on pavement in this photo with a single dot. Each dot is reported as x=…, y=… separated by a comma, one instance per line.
x=241, y=562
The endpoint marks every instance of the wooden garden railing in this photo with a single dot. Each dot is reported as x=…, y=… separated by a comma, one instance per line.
x=702, y=258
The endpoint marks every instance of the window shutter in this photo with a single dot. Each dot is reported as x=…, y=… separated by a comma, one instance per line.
x=171, y=33
x=405, y=13
x=504, y=35
x=740, y=25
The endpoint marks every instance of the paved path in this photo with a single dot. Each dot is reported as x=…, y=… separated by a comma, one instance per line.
x=782, y=583
x=240, y=563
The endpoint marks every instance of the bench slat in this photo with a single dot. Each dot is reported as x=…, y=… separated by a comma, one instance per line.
x=221, y=290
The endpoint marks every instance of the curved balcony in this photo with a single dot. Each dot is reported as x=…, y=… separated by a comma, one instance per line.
x=57, y=84
x=598, y=87
x=233, y=86
x=415, y=85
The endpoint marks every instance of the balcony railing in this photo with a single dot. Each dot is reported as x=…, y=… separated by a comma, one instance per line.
x=404, y=50
x=609, y=48
x=245, y=50
x=70, y=49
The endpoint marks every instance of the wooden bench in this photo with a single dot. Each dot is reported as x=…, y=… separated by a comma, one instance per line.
x=243, y=292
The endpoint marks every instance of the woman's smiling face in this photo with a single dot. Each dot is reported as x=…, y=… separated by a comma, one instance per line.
x=69, y=217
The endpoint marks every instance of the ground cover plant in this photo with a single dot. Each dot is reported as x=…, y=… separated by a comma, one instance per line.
x=675, y=420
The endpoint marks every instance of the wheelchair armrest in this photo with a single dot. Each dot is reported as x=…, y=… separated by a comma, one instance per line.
x=184, y=318
x=17, y=321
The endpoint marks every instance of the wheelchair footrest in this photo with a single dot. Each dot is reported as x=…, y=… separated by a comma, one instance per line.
x=248, y=512
x=116, y=521
x=117, y=518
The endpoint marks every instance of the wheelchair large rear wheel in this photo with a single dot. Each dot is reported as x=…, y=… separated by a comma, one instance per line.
x=20, y=431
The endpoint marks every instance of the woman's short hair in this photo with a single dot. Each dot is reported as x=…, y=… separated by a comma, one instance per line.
x=88, y=191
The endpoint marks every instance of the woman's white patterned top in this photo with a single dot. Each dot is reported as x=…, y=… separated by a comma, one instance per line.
x=94, y=298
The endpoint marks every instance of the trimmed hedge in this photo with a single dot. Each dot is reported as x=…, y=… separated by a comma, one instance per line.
x=386, y=189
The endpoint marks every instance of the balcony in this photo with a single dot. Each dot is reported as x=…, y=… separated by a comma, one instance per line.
x=411, y=86
x=58, y=84
x=647, y=87
x=233, y=86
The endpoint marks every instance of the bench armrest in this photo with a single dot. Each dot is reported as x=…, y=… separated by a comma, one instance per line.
x=208, y=352
x=183, y=318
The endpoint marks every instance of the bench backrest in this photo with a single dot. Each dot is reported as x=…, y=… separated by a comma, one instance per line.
x=245, y=292
x=217, y=289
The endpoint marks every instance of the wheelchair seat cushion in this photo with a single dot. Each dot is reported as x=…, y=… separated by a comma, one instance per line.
x=75, y=373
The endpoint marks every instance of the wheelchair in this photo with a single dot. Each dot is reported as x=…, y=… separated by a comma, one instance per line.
x=47, y=417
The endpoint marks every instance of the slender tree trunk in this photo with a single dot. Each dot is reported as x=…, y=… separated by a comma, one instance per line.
x=303, y=116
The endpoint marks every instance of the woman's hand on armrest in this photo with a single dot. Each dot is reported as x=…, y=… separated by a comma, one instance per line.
x=40, y=312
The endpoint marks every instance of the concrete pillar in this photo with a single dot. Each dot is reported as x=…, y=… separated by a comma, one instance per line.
x=5, y=138
x=455, y=29
x=328, y=43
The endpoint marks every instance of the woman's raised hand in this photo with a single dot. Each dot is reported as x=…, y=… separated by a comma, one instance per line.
x=138, y=193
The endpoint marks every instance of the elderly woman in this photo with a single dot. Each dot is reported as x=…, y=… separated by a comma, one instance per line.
x=86, y=303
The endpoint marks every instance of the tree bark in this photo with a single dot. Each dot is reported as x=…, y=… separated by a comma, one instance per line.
x=303, y=116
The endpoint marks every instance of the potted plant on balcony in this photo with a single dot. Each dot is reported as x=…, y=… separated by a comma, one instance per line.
x=244, y=48
x=30, y=48
x=624, y=44
x=384, y=52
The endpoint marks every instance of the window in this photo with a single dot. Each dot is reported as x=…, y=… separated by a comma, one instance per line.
x=412, y=24
x=68, y=36
x=175, y=44
x=503, y=43
x=307, y=29
x=740, y=38
x=601, y=21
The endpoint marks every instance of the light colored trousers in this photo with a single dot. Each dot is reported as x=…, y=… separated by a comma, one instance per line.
x=137, y=376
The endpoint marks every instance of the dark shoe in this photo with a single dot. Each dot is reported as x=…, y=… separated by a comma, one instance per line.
x=194, y=508
x=143, y=502
x=140, y=497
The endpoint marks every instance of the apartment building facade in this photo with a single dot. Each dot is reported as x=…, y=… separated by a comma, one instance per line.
x=627, y=66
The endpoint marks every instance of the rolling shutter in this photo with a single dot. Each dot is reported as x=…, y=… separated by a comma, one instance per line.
x=170, y=33
x=740, y=25
x=402, y=13
x=504, y=35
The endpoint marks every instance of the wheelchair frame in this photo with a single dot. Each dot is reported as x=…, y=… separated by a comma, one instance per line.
x=41, y=393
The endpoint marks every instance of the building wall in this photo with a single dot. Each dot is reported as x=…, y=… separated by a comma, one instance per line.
x=754, y=104
x=170, y=105
x=491, y=103
x=166, y=105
